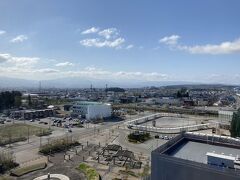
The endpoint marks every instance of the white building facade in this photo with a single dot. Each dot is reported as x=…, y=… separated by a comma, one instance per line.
x=92, y=110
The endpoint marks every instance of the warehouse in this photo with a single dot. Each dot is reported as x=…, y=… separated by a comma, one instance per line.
x=32, y=114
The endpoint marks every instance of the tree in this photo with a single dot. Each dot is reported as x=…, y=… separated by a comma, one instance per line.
x=29, y=101
x=10, y=100
x=183, y=92
x=235, y=124
x=18, y=101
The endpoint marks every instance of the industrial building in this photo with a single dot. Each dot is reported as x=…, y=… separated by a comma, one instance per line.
x=196, y=156
x=32, y=114
x=92, y=110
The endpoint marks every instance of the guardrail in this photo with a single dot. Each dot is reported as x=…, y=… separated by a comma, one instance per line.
x=134, y=124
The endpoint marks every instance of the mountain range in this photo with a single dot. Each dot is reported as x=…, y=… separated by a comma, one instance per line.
x=76, y=82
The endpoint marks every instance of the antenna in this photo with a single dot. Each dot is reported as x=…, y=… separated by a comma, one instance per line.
x=40, y=86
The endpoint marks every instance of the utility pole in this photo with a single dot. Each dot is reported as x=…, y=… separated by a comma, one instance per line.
x=49, y=122
x=28, y=134
x=40, y=141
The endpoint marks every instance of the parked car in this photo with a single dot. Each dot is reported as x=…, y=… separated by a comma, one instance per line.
x=166, y=137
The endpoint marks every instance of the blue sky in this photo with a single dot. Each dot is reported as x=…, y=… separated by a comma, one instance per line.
x=150, y=40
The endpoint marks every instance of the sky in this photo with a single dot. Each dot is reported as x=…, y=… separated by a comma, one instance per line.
x=147, y=40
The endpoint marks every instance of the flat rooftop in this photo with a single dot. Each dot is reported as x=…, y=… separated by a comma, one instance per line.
x=196, y=151
x=86, y=103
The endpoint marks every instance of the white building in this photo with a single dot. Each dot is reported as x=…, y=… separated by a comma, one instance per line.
x=92, y=110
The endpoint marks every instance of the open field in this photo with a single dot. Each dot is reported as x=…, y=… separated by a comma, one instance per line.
x=19, y=131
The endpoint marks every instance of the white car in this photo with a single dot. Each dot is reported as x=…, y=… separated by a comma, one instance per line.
x=166, y=137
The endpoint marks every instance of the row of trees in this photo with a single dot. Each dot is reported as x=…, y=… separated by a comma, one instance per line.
x=235, y=124
x=183, y=92
x=9, y=100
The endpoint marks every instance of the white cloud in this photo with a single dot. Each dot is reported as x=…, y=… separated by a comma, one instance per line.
x=19, y=38
x=153, y=76
x=28, y=68
x=46, y=70
x=4, y=57
x=91, y=68
x=106, y=38
x=102, y=43
x=130, y=46
x=170, y=40
x=97, y=73
x=91, y=30
x=109, y=33
x=18, y=61
x=226, y=47
x=2, y=32
x=222, y=48
x=64, y=64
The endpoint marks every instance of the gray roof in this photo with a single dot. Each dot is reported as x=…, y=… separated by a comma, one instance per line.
x=196, y=151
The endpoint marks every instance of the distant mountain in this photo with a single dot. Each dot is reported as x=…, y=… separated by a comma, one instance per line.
x=74, y=82
x=7, y=82
x=77, y=82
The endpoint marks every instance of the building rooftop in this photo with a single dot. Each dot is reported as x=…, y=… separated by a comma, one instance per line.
x=197, y=151
x=90, y=103
x=193, y=148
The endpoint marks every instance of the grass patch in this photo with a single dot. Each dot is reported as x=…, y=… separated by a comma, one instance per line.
x=18, y=132
x=5, y=178
x=58, y=146
x=137, y=137
x=90, y=172
x=45, y=132
x=24, y=170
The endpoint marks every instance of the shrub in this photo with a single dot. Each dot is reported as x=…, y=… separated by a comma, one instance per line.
x=58, y=146
x=90, y=172
x=138, y=137
x=12, y=140
x=44, y=133
x=6, y=162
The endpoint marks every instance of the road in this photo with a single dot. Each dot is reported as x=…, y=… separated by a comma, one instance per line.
x=29, y=148
x=25, y=151
x=144, y=148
